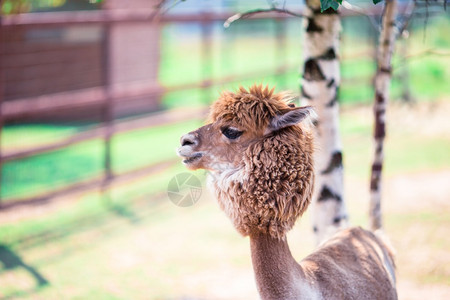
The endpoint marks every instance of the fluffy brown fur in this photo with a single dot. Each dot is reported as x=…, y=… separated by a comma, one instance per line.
x=278, y=167
x=250, y=109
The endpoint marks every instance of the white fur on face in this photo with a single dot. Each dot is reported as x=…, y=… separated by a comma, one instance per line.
x=222, y=178
x=220, y=183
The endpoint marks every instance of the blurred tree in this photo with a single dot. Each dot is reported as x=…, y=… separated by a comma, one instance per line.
x=320, y=86
x=390, y=29
x=382, y=83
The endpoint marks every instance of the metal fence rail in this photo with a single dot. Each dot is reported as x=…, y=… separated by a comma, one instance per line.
x=108, y=95
x=105, y=96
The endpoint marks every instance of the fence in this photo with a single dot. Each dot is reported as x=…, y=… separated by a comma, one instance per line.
x=105, y=95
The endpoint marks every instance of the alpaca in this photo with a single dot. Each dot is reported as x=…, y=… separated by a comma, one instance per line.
x=260, y=160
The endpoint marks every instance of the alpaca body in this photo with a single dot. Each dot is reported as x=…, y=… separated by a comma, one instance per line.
x=354, y=264
x=262, y=176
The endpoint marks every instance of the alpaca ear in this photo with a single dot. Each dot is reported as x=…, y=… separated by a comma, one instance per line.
x=290, y=117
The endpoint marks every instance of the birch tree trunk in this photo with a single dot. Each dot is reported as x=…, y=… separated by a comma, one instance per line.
x=382, y=83
x=320, y=85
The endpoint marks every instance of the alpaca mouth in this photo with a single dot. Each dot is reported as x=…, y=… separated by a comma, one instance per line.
x=192, y=158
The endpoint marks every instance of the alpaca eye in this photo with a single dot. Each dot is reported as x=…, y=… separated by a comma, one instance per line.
x=231, y=133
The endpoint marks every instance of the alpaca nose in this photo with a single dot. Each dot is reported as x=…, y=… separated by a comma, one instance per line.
x=188, y=140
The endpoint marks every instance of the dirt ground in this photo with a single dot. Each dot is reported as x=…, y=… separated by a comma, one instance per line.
x=417, y=210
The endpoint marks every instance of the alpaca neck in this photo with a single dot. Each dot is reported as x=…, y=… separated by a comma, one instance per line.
x=278, y=275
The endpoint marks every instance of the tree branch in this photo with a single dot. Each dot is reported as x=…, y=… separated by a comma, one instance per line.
x=428, y=52
x=250, y=13
x=157, y=9
x=363, y=12
x=431, y=3
x=407, y=14
x=160, y=10
x=420, y=54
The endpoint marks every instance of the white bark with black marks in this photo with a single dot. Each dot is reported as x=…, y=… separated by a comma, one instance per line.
x=382, y=83
x=320, y=85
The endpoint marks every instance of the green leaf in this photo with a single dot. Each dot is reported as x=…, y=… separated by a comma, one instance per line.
x=376, y=1
x=326, y=4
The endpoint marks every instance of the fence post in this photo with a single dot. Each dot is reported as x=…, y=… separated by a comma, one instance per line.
x=280, y=53
x=404, y=71
x=2, y=84
x=373, y=42
x=108, y=105
x=207, y=60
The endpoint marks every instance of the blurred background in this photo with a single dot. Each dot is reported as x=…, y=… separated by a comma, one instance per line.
x=94, y=97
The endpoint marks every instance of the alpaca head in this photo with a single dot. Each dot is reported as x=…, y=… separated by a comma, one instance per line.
x=259, y=158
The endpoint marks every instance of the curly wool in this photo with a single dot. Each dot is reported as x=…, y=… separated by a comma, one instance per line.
x=251, y=109
x=272, y=186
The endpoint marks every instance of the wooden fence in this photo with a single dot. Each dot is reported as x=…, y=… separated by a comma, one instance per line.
x=108, y=95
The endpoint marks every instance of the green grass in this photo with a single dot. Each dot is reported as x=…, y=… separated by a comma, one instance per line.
x=429, y=78
x=83, y=161
x=404, y=151
x=93, y=209
x=410, y=155
x=52, y=170
x=149, y=146
x=24, y=136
